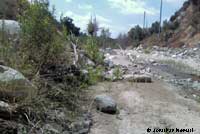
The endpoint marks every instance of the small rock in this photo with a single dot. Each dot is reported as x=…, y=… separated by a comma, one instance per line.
x=90, y=62
x=109, y=63
x=135, y=65
x=105, y=104
x=84, y=71
x=174, y=56
x=160, y=77
x=152, y=61
x=4, y=105
x=194, y=95
x=195, y=49
x=148, y=70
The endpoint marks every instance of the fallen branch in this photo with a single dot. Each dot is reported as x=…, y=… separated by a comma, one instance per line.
x=75, y=54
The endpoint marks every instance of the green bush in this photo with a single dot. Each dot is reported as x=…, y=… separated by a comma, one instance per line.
x=94, y=75
x=92, y=50
x=117, y=73
x=41, y=44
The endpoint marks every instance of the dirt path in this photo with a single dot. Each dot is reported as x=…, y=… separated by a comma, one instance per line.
x=143, y=106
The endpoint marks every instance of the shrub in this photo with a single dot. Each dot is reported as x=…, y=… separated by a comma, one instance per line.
x=92, y=50
x=94, y=75
x=117, y=73
x=41, y=44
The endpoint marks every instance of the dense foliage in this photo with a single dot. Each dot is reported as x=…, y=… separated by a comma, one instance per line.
x=70, y=27
x=39, y=36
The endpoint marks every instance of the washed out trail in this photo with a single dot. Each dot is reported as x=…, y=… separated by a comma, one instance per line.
x=142, y=106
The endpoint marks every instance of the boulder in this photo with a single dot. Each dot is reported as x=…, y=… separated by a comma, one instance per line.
x=14, y=86
x=105, y=104
x=138, y=78
x=109, y=63
x=10, y=26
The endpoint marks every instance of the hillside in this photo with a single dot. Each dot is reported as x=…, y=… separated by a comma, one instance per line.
x=186, y=27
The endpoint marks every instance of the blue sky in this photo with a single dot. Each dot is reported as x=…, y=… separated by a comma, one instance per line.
x=117, y=15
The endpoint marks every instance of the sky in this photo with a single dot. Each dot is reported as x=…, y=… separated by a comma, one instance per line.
x=117, y=15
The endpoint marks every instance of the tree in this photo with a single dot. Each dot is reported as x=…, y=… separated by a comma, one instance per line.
x=123, y=40
x=155, y=27
x=104, y=37
x=166, y=26
x=105, y=33
x=92, y=27
x=136, y=33
x=70, y=27
x=40, y=44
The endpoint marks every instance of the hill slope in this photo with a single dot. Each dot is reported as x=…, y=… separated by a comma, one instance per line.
x=188, y=18
x=186, y=31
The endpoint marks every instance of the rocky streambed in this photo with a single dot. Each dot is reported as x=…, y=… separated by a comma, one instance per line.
x=170, y=100
x=179, y=67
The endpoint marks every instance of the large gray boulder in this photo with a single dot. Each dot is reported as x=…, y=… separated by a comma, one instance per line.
x=105, y=104
x=10, y=26
x=14, y=86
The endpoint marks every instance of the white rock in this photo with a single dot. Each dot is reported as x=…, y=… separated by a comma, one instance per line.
x=152, y=61
x=3, y=104
x=10, y=26
x=174, y=56
x=148, y=69
x=195, y=49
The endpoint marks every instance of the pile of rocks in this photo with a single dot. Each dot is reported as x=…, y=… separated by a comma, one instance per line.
x=176, y=52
